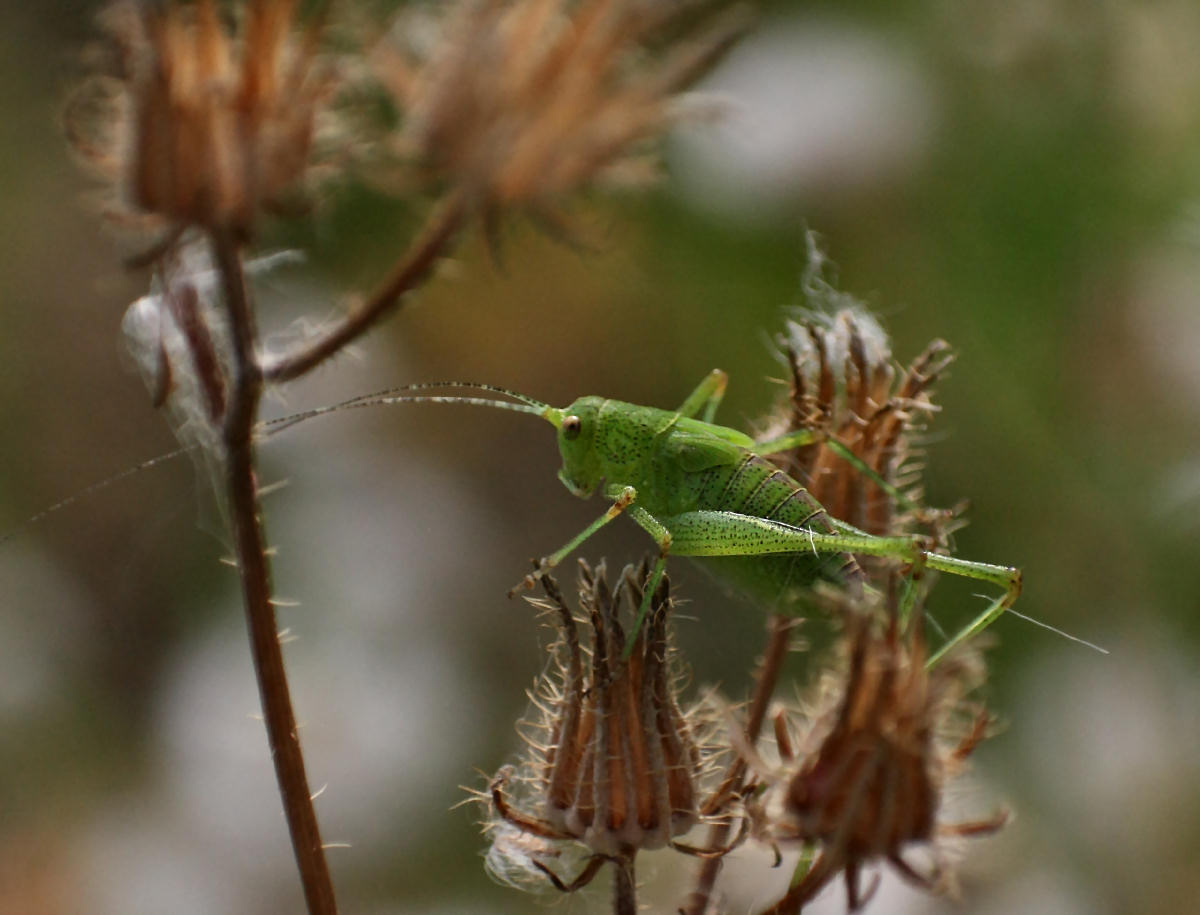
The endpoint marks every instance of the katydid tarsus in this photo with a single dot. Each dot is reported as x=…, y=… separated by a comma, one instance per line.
x=704, y=490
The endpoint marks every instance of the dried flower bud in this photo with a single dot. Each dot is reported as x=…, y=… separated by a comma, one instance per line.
x=616, y=766
x=844, y=386
x=518, y=102
x=200, y=126
x=882, y=752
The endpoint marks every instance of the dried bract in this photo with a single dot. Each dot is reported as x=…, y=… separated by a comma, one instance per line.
x=616, y=766
x=518, y=102
x=179, y=337
x=881, y=757
x=197, y=125
x=179, y=340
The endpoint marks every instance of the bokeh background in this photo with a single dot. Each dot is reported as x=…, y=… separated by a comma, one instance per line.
x=1020, y=178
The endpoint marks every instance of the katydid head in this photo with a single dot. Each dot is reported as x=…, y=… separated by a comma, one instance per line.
x=581, y=471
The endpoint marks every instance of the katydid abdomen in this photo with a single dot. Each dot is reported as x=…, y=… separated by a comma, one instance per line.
x=756, y=487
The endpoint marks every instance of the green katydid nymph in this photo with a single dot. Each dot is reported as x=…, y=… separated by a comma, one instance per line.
x=704, y=490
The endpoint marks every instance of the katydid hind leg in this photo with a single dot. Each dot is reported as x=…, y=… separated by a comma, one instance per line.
x=1006, y=577
x=725, y=533
x=722, y=533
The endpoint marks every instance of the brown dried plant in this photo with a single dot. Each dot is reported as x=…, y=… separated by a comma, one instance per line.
x=844, y=387
x=843, y=383
x=198, y=124
x=206, y=115
x=515, y=105
x=871, y=773
x=519, y=103
x=206, y=121
x=615, y=766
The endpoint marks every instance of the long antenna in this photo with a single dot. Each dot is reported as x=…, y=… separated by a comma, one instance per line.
x=400, y=395
x=82, y=494
x=275, y=426
x=468, y=385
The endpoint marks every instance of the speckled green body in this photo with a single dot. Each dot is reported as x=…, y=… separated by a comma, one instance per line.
x=704, y=490
x=680, y=465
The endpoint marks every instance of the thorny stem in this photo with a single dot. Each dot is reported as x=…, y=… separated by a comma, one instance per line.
x=779, y=636
x=436, y=237
x=253, y=566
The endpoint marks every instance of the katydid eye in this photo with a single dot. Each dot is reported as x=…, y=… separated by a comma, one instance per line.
x=571, y=426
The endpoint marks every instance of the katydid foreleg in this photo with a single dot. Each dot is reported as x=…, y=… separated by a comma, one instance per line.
x=623, y=498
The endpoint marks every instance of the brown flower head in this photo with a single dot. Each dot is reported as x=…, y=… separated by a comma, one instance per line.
x=200, y=125
x=616, y=766
x=518, y=102
x=844, y=386
x=882, y=753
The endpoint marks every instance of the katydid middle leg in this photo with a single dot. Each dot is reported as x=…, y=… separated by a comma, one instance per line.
x=663, y=537
x=707, y=395
x=803, y=437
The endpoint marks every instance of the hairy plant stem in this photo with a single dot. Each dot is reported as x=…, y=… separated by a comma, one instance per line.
x=434, y=242
x=254, y=569
x=779, y=630
x=624, y=885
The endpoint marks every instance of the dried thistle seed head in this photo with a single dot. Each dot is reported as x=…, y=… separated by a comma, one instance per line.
x=519, y=102
x=875, y=764
x=844, y=385
x=615, y=765
x=198, y=125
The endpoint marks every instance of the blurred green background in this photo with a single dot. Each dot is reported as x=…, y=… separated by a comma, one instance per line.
x=1019, y=178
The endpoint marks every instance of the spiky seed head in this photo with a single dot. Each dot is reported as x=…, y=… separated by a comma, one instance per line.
x=199, y=125
x=843, y=383
x=615, y=765
x=874, y=765
x=520, y=102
